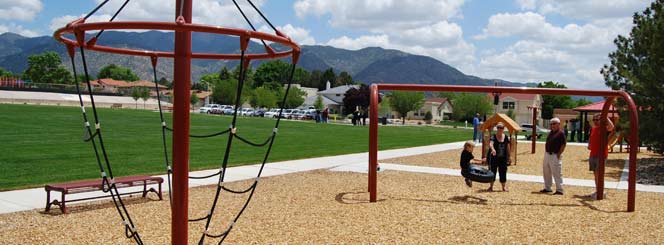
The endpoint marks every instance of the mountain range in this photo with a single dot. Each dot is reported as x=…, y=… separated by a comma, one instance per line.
x=366, y=65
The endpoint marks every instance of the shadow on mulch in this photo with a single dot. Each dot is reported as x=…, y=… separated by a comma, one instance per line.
x=104, y=204
x=584, y=201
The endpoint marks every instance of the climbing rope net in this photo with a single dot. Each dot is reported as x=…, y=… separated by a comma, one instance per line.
x=94, y=135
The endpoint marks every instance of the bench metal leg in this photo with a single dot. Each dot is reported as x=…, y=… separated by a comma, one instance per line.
x=160, y=198
x=48, y=201
x=145, y=187
x=63, y=206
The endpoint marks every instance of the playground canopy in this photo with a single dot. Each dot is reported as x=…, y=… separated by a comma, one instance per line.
x=511, y=126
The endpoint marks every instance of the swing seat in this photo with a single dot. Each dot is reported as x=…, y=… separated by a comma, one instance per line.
x=479, y=174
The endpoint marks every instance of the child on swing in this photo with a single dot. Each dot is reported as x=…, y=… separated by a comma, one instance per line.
x=466, y=159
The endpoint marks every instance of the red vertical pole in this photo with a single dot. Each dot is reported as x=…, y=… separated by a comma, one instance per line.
x=373, y=143
x=534, y=133
x=182, y=85
x=634, y=139
x=603, y=143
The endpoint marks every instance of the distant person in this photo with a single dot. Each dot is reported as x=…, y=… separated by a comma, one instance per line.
x=317, y=116
x=586, y=131
x=553, y=165
x=573, y=128
x=566, y=129
x=596, y=148
x=356, y=117
x=326, y=114
x=476, y=123
x=364, y=117
x=466, y=159
x=500, y=155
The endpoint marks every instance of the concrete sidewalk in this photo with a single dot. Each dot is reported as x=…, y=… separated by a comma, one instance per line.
x=27, y=199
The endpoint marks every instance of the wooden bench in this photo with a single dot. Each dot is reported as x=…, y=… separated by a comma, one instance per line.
x=96, y=185
x=116, y=106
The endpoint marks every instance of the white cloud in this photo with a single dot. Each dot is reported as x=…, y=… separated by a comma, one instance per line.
x=297, y=34
x=572, y=54
x=380, y=15
x=24, y=10
x=360, y=42
x=587, y=9
x=436, y=35
x=61, y=21
x=18, y=29
x=209, y=12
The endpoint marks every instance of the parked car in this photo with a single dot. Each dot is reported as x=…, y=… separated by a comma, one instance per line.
x=287, y=113
x=298, y=114
x=308, y=115
x=247, y=112
x=259, y=113
x=219, y=110
x=208, y=108
x=229, y=110
x=528, y=128
x=294, y=113
x=272, y=113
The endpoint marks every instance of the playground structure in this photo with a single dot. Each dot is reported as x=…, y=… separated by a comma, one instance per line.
x=610, y=94
x=182, y=27
x=513, y=130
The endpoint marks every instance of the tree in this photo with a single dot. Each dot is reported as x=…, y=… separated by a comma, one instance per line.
x=636, y=67
x=344, y=78
x=357, y=97
x=328, y=75
x=316, y=80
x=263, y=97
x=551, y=102
x=165, y=82
x=384, y=107
x=46, y=68
x=318, y=104
x=272, y=74
x=582, y=102
x=428, y=116
x=466, y=105
x=135, y=94
x=145, y=95
x=248, y=79
x=294, y=98
x=5, y=73
x=225, y=91
x=193, y=100
x=224, y=73
x=116, y=72
x=405, y=101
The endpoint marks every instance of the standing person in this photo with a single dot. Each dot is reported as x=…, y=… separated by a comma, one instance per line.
x=500, y=155
x=476, y=123
x=317, y=115
x=466, y=159
x=326, y=114
x=365, y=114
x=553, y=164
x=595, y=147
x=566, y=129
x=355, y=117
x=586, y=131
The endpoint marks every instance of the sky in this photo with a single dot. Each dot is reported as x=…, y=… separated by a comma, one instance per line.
x=566, y=41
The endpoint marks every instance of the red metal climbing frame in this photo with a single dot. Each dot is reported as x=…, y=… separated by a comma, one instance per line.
x=610, y=94
x=182, y=55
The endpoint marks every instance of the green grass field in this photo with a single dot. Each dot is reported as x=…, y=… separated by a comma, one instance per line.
x=43, y=144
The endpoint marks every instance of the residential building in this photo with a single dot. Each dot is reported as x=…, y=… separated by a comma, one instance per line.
x=108, y=85
x=440, y=109
x=519, y=104
x=333, y=98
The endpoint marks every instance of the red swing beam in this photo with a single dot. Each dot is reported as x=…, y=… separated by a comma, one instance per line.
x=610, y=94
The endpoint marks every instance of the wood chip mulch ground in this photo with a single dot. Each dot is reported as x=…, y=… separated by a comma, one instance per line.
x=322, y=207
